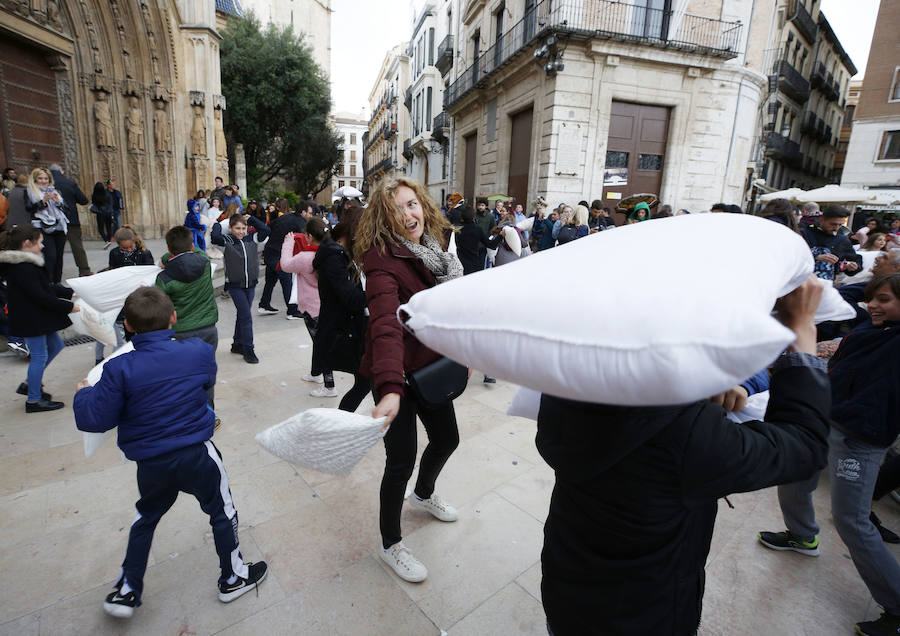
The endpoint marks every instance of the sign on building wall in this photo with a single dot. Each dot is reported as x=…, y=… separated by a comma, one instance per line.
x=568, y=149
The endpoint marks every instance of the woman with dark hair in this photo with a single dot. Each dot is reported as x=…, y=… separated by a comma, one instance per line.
x=398, y=244
x=101, y=205
x=45, y=205
x=338, y=342
x=781, y=211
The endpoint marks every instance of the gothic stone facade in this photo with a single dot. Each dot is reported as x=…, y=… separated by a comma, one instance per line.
x=115, y=89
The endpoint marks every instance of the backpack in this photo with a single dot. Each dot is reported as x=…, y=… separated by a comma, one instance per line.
x=567, y=233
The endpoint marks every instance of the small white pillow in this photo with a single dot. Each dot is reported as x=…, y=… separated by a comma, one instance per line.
x=328, y=440
x=663, y=312
x=93, y=441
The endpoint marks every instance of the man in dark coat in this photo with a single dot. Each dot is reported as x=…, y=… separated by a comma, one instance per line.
x=831, y=249
x=633, y=508
x=72, y=197
x=293, y=222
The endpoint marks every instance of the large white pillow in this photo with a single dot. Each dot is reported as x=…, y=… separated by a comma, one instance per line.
x=93, y=441
x=664, y=312
x=108, y=290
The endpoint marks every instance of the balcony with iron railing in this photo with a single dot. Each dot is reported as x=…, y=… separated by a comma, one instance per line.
x=407, y=151
x=440, y=128
x=804, y=23
x=444, y=60
x=790, y=81
x=780, y=147
x=407, y=99
x=808, y=126
x=603, y=19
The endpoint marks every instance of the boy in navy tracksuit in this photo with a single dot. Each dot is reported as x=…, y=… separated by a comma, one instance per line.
x=156, y=395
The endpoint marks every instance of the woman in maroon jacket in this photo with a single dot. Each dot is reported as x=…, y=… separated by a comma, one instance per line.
x=397, y=247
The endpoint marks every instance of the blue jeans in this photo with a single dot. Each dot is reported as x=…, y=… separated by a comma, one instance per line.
x=853, y=469
x=242, y=297
x=43, y=349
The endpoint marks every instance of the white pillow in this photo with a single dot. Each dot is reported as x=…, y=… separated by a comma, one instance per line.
x=327, y=440
x=664, y=312
x=108, y=290
x=93, y=441
x=513, y=242
x=100, y=326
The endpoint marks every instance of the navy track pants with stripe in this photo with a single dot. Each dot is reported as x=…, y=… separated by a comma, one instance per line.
x=197, y=470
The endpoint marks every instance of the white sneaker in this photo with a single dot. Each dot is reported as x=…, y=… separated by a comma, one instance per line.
x=324, y=391
x=263, y=311
x=312, y=378
x=401, y=560
x=436, y=506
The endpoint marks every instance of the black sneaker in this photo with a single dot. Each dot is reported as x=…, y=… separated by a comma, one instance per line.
x=120, y=605
x=888, y=536
x=42, y=405
x=250, y=356
x=489, y=380
x=256, y=573
x=236, y=348
x=887, y=624
x=788, y=541
x=23, y=390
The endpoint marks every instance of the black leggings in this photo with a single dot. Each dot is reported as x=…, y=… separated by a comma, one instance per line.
x=888, y=476
x=400, y=447
x=354, y=397
x=54, y=245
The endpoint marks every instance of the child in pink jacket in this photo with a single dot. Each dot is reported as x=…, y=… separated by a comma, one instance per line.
x=296, y=258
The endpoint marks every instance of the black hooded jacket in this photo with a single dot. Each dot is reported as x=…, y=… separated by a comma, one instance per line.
x=71, y=194
x=37, y=307
x=633, y=508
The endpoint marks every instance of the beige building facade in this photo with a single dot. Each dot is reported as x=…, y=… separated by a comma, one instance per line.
x=312, y=18
x=350, y=128
x=387, y=128
x=110, y=89
x=873, y=154
x=661, y=103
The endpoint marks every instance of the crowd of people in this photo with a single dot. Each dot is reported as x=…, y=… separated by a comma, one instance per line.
x=634, y=502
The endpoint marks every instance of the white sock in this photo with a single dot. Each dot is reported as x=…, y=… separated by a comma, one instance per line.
x=125, y=589
x=231, y=579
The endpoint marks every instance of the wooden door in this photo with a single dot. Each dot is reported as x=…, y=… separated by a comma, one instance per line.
x=520, y=156
x=469, y=172
x=29, y=112
x=635, y=152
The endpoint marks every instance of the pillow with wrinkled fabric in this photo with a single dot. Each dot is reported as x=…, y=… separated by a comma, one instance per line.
x=663, y=312
x=327, y=440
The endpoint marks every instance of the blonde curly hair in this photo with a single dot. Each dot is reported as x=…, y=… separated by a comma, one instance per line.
x=380, y=223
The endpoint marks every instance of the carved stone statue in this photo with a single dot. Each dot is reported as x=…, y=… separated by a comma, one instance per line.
x=221, y=148
x=198, y=133
x=134, y=125
x=162, y=136
x=53, y=13
x=103, y=121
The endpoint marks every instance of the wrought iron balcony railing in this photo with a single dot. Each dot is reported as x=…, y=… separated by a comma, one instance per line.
x=804, y=23
x=604, y=19
x=790, y=81
x=444, y=61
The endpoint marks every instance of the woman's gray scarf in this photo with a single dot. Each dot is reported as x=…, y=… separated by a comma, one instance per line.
x=51, y=217
x=443, y=265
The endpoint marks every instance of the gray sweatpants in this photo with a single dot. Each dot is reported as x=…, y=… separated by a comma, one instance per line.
x=853, y=468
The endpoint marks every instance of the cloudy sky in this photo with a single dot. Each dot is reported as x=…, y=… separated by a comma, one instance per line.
x=358, y=46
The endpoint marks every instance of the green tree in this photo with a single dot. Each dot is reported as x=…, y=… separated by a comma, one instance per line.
x=277, y=107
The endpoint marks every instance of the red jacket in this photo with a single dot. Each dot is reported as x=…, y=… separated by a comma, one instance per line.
x=392, y=277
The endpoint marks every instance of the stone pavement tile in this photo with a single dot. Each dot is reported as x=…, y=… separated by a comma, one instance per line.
x=23, y=515
x=512, y=610
x=475, y=468
x=530, y=491
x=21, y=436
x=55, y=565
x=530, y=579
x=309, y=544
x=516, y=434
x=473, y=418
x=360, y=599
x=77, y=500
x=496, y=396
x=180, y=597
x=29, y=625
x=470, y=560
x=40, y=467
x=269, y=491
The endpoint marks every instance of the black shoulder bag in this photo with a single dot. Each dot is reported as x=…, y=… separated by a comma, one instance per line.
x=440, y=382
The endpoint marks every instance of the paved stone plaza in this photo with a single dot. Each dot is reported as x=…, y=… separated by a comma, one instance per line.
x=64, y=523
